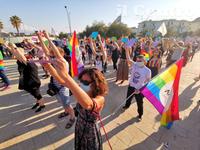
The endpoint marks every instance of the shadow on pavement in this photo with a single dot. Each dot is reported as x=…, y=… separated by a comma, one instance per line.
x=185, y=132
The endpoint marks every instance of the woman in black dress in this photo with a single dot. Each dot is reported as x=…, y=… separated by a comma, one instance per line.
x=29, y=79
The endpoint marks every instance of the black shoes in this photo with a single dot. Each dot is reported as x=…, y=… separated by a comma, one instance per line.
x=35, y=106
x=70, y=123
x=45, y=76
x=125, y=107
x=63, y=114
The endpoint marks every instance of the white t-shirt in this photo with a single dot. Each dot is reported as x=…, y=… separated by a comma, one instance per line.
x=99, y=65
x=139, y=75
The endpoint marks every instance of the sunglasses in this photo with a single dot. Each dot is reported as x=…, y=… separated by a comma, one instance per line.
x=85, y=82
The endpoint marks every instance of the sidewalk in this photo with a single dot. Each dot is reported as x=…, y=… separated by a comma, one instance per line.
x=21, y=128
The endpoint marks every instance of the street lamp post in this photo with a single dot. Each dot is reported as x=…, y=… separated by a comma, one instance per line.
x=69, y=20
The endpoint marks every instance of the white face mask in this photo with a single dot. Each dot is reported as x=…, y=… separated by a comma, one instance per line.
x=85, y=88
x=140, y=64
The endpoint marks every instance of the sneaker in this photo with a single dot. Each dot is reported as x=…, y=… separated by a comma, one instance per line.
x=40, y=108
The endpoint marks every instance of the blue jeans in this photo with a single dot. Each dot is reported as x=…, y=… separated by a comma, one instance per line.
x=4, y=77
x=63, y=96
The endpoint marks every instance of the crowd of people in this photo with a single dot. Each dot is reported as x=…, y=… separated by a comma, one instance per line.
x=143, y=60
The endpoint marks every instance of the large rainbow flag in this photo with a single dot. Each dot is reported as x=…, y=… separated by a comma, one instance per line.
x=162, y=92
x=76, y=59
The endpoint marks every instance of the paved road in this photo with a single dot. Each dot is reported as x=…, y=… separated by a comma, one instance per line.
x=21, y=128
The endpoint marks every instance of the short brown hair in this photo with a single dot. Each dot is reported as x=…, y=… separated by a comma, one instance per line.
x=99, y=84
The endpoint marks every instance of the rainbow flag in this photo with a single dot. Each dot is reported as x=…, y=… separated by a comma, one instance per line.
x=162, y=92
x=146, y=55
x=1, y=62
x=73, y=47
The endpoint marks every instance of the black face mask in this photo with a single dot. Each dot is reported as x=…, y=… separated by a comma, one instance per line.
x=52, y=57
x=85, y=82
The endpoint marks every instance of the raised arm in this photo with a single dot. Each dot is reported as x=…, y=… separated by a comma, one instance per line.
x=16, y=52
x=55, y=49
x=61, y=75
x=32, y=44
x=102, y=48
x=44, y=47
x=93, y=46
x=176, y=44
x=128, y=58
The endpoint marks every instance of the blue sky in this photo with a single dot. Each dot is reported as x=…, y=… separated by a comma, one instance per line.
x=44, y=14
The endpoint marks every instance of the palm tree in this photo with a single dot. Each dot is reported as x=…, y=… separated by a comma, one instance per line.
x=16, y=22
x=1, y=26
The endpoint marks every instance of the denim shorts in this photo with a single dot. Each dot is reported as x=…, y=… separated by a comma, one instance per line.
x=64, y=97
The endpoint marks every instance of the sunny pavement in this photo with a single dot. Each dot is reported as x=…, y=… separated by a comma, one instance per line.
x=21, y=128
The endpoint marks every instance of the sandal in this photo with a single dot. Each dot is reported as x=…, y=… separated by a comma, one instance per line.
x=63, y=114
x=122, y=82
x=70, y=123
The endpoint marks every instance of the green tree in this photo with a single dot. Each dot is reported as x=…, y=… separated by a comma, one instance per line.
x=16, y=22
x=63, y=35
x=96, y=26
x=1, y=26
x=132, y=35
x=118, y=30
x=171, y=33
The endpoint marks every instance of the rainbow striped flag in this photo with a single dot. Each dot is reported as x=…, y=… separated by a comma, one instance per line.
x=1, y=62
x=146, y=54
x=162, y=92
x=76, y=60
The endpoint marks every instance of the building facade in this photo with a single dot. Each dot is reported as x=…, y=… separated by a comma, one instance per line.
x=179, y=26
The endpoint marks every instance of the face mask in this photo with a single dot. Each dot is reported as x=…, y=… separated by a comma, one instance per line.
x=85, y=88
x=140, y=64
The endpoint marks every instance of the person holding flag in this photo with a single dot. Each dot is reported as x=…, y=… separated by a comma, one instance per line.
x=140, y=75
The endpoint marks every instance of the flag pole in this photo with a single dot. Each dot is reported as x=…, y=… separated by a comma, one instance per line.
x=69, y=20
